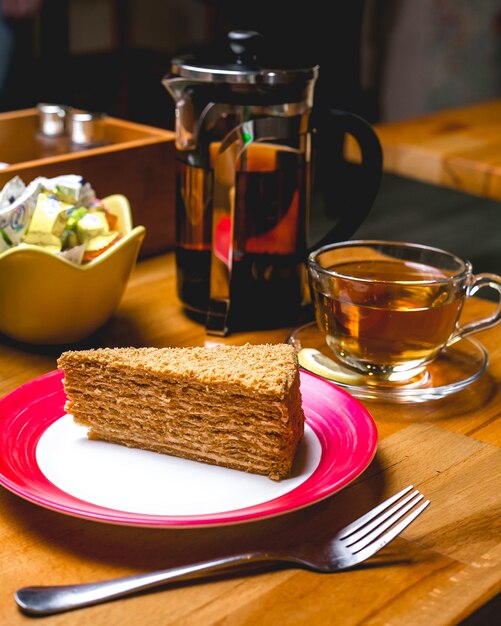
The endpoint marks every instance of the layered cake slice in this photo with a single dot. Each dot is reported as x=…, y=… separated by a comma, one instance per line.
x=235, y=406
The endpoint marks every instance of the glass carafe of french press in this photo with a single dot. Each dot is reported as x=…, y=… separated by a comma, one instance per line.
x=245, y=182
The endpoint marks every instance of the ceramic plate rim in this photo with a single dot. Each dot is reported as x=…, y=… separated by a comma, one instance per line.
x=20, y=473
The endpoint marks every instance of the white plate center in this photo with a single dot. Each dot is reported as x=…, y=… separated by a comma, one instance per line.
x=138, y=481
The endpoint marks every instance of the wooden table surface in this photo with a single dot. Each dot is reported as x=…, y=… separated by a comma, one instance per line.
x=439, y=571
x=458, y=148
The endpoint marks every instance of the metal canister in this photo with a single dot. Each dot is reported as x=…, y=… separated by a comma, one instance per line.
x=87, y=128
x=52, y=119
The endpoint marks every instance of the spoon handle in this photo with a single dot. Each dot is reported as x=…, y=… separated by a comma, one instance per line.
x=57, y=599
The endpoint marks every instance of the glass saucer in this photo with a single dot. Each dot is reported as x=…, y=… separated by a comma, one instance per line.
x=455, y=368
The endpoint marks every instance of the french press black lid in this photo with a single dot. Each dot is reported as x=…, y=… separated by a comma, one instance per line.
x=241, y=62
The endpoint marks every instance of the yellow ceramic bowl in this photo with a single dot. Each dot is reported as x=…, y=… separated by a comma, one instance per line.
x=45, y=299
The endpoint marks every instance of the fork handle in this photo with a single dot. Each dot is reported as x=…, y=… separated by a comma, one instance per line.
x=57, y=599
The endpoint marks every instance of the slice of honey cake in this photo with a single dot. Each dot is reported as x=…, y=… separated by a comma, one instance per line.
x=235, y=406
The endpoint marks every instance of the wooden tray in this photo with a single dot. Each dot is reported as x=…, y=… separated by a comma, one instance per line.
x=137, y=161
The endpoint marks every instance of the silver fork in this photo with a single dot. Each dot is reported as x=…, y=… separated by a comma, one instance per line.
x=350, y=546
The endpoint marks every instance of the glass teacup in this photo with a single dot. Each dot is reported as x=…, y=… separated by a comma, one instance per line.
x=387, y=309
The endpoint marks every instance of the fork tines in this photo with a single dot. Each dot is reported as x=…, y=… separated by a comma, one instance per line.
x=379, y=526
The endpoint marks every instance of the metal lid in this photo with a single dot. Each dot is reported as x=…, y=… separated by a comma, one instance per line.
x=239, y=63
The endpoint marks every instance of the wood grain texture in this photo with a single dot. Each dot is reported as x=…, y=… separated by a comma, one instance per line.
x=440, y=570
x=458, y=148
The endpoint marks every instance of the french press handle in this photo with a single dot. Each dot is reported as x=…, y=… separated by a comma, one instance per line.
x=348, y=190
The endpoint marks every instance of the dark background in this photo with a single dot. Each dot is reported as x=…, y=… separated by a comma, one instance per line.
x=51, y=63
x=382, y=59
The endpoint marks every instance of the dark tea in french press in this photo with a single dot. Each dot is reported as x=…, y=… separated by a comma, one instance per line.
x=244, y=185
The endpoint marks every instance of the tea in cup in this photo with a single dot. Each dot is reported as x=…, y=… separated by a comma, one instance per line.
x=387, y=309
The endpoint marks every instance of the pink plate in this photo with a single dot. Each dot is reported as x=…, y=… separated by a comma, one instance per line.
x=339, y=428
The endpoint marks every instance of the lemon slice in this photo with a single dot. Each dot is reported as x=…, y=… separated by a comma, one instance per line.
x=316, y=362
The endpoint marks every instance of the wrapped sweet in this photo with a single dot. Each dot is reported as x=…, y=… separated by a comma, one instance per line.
x=91, y=225
x=70, y=188
x=61, y=214
x=48, y=222
x=15, y=215
x=11, y=192
x=99, y=244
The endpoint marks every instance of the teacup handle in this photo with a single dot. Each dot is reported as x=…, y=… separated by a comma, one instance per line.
x=478, y=282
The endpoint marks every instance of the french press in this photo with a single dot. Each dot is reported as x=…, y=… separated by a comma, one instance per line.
x=245, y=184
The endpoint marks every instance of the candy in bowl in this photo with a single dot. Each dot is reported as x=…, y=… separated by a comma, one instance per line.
x=51, y=298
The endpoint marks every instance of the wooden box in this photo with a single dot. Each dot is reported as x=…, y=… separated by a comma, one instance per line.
x=137, y=161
